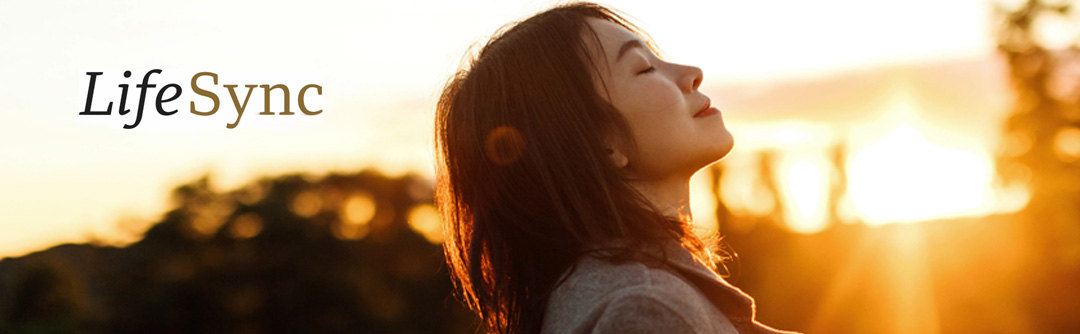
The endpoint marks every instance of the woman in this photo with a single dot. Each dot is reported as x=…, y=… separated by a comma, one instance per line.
x=565, y=150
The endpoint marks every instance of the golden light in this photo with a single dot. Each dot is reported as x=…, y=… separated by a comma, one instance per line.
x=424, y=219
x=357, y=212
x=740, y=192
x=903, y=177
x=246, y=226
x=209, y=218
x=703, y=203
x=788, y=143
x=253, y=192
x=1067, y=144
x=358, y=209
x=306, y=204
x=911, y=293
x=806, y=188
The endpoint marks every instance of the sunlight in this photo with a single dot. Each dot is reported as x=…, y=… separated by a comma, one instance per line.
x=894, y=265
x=306, y=204
x=1067, y=144
x=910, y=290
x=703, y=203
x=801, y=173
x=246, y=226
x=424, y=219
x=358, y=209
x=807, y=189
x=355, y=215
x=903, y=177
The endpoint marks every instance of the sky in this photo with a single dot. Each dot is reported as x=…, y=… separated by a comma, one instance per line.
x=65, y=177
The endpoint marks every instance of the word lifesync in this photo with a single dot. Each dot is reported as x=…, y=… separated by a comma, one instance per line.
x=172, y=91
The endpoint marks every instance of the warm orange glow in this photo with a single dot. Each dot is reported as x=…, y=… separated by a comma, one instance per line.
x=1067, y=144
x=903, y=177
x=355, y=214
x=911, y=296
x=424, y=219
x=306, y=204
x=739, y=191
x=358, y=209
x=207, y=221
x=246, y=226
x=703, y=203
x=390, y=128
x=899, y=169
x=807, y=190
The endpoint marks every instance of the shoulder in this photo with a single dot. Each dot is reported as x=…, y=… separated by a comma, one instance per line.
x=603, y=297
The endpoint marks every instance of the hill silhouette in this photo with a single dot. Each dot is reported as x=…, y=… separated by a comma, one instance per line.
x=286, y=254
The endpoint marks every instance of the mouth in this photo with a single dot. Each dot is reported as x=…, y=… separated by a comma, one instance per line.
x=707, y=110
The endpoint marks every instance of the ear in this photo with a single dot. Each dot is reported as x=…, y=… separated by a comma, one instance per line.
x=615, y=152
x=618, y=157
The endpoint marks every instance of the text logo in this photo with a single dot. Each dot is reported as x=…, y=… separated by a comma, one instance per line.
x=162, y=97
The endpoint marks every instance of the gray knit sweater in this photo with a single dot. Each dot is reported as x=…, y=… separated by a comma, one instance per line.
x=599, y=296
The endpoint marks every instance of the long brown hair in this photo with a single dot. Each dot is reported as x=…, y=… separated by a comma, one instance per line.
x=524, y=183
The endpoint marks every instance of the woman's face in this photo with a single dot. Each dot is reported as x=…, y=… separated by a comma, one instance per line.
x=673, y=124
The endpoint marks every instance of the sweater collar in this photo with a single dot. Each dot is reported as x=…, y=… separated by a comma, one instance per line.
x=736, y=305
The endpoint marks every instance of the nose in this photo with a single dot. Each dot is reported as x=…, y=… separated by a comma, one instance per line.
x=691, y=78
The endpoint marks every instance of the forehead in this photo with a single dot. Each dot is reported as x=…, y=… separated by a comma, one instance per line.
x=611, y=37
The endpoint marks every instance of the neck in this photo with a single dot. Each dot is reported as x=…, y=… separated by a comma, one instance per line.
x=670, y=196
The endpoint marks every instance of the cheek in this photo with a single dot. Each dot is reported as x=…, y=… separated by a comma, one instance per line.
x=657, y=131
x=658, y=118
x=650, y=96
x=652, y=108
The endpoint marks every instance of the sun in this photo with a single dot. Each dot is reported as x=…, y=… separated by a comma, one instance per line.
x=903, y=177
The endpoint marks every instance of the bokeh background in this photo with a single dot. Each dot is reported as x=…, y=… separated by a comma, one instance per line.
x=900, y=166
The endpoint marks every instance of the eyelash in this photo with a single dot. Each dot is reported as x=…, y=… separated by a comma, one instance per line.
x=647, y=70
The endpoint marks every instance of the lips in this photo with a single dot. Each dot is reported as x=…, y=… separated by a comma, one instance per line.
x=706, y=110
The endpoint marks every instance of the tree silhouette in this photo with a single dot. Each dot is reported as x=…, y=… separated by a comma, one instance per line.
x=723, y=214
x=275, y=256
x=1042, y=135
x=838, y=183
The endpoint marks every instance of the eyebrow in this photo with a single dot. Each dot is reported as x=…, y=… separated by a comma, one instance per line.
x=633, y=43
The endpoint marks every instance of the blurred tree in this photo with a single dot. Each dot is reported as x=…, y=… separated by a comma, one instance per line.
x=285, y=254
x=45, y=302
x=1041, y=152
x=838, y=182
x=766, y=192
x=723, y=214
x=768, y=177
x=1042, y=135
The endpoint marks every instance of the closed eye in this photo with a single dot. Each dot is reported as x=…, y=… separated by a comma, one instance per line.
x=647, y=70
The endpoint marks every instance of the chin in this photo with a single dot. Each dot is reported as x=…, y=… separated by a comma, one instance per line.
x=725, y=146
x=718, y=153
x=719, y=156
x=717, y=150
